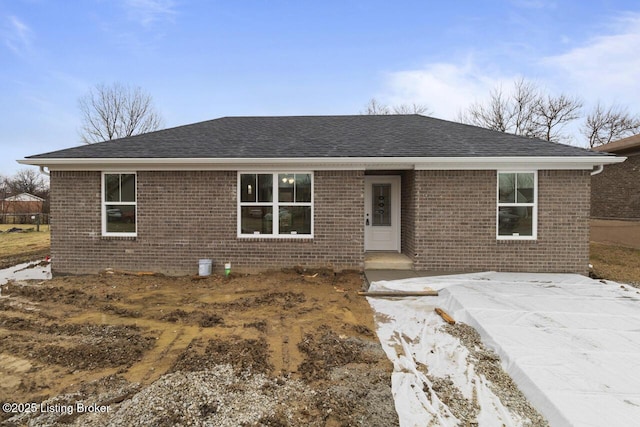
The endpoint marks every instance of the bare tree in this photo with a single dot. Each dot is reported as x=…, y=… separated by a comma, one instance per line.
x=552, y=113
x=492, y=116
x=604, y=125
x=412, y=108
x=513, y=113
x=116, y=111
x=375, y=108
x=27, y=181
x=4, y=193
x=4, y=186
x=524, y=111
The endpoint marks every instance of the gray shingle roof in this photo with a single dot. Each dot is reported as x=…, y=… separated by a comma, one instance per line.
x=321, y=137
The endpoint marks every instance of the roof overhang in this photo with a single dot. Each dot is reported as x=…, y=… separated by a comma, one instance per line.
x=626, y=145
x=324, y=163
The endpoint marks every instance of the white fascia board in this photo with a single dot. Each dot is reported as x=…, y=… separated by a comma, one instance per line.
x=325, y=163
x=517, y=163
x=102, y=164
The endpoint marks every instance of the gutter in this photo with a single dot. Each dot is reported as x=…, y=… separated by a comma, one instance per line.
x=327, y=163
x=598, y=169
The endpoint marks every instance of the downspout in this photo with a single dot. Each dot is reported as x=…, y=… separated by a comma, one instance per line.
x=597, y=170
x=42, y=171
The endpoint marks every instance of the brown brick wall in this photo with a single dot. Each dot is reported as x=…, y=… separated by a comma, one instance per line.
x=408, y=213
x=186, y=216
x=615, y=192
x=455, y=224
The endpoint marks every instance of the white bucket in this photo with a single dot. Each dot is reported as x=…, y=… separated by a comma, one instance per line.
x=204, y=267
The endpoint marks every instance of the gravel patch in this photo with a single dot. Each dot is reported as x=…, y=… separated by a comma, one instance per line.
x=216, y=397
x=462, y=408
x=487, y=363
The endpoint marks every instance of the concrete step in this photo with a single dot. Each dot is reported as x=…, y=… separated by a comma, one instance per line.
x=387, y=261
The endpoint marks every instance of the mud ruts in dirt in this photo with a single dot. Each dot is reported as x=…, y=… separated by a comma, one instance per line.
x=75, y=346
x=277, y=349
x=196, y=317
x=10, y=261
x=244, y=355
x=325, y=350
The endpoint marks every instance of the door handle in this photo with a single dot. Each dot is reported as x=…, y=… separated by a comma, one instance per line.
x=367, y=222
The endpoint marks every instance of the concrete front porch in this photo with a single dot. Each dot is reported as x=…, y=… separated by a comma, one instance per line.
x=387, y=266
x=394, y=266
x=387, y=261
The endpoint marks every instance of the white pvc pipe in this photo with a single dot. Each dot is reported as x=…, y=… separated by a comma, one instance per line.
x=598, y=169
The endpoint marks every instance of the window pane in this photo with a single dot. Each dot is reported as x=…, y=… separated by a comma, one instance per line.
x=248, y=187
x=516, y=220
x=112, y=187
x=303, y=187
x=121, y=218
x=295, y=220
x=128, y=187
x=256, y=219
x=525, y=182
x=265, y=184
x=381, y=204
x=285, y=187
x=507, y=187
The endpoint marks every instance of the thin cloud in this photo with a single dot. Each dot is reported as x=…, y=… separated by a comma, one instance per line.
x=605, y=67
x=147, y=12
x=17, y=35
x=535, y=4
x=445, y=88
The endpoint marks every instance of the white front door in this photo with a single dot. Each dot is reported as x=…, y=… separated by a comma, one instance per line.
x=382, y=213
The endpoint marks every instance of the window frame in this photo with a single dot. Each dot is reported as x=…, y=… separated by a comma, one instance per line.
x=534, y=206
x=275, y=205
x=104, y=204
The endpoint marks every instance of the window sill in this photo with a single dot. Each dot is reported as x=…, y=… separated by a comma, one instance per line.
x=516, y=241
x=275, y=238
x=110, y=237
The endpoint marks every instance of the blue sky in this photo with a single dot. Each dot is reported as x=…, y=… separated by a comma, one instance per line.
x=207, y=59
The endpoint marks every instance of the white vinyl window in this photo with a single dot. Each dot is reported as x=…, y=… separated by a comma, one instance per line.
x=517, y=213
x=275, y=204
x=119, y=204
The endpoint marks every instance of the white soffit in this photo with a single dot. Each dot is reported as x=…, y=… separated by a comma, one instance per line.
x=333, y=163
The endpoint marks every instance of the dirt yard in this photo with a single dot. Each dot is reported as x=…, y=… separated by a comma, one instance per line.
x=277, y=349
x=616, y=233
x=24, y=245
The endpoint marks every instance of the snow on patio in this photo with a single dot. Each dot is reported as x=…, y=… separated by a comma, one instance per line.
x=572, y=345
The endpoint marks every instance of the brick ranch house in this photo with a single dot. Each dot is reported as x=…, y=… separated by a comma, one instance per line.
x=615, y=193
x=321, y=191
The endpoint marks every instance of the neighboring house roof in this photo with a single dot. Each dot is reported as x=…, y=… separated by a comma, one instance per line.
x=356, y=139
x=24, y=197
x=628, y=145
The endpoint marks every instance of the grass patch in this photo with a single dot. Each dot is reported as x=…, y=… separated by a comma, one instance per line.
x=616, y=263
x=18, y=245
